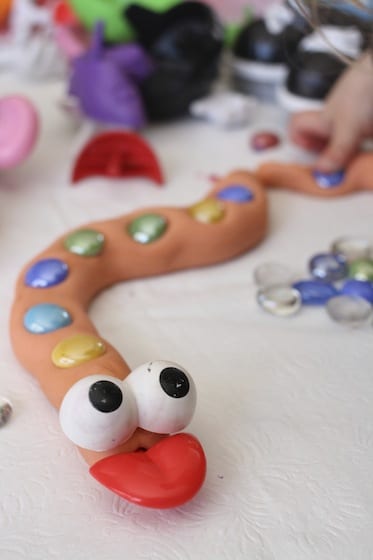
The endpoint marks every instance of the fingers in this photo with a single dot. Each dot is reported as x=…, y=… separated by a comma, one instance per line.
x=310, y=130
x=336, y=140
x=342, y=146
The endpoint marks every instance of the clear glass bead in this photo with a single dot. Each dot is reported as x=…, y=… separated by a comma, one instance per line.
x=352, y=247
x=279, y=300
x=273, y=274
x=349, y=310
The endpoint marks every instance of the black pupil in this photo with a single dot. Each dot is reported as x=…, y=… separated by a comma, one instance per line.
x=105, y=396
x=174, y=382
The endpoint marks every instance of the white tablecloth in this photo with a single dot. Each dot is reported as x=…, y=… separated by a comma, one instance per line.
x=285, y=409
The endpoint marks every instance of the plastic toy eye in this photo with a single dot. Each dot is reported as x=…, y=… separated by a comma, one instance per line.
x=98, y=413
x=165, y=396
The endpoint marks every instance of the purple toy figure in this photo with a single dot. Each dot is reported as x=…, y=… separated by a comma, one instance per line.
x=105, y=82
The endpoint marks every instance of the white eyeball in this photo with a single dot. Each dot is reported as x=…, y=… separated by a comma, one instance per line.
x=98, y=413
x=165, y=395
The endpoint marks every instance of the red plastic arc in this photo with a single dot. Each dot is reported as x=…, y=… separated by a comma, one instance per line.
x=117, y=154
x=167, y=475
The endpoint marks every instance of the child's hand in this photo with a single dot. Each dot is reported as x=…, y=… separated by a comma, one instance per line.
x=336, y=131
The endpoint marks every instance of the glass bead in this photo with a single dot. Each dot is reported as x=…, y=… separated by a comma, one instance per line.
x=361, y=269
x=207, y=211
x=349, y=310
x=328, y=180
x=352, y=248
x=358, y=288
x=264, y=141
x=236, y=193
x=46, y=317
x=6, y=411
x=77, y=349
x=279, y=300
x=147, y=228
x=328, y=267
x=272, y=274
x=85, y=242
x=46, y=273
x=314, y=292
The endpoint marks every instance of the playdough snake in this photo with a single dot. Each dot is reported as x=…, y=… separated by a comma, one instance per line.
x=358, y=176
x=121, y=420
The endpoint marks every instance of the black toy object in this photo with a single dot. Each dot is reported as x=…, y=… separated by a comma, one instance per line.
x=257, y=44
x=185, y=44
x=312, y=74
x=292, y=58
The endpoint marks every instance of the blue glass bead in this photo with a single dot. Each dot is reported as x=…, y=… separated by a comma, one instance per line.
x=328, y=180
x=358, y=288
x=46, y=273
x=315, y=293
x=328, y=267
x=236, y=193
x=46, y=317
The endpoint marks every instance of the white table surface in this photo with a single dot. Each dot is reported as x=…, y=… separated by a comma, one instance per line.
x=285, y=405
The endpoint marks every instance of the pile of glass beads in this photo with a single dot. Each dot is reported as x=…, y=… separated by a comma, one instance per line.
x=341, y=280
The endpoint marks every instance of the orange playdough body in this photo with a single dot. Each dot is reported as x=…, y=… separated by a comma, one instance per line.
x=358, y=177
x=187, y=243
x=5, y=7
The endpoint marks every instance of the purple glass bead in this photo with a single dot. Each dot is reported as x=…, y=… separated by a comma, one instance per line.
x=236, y=193
x=46, y=273
x=328, y=267
x=358, y=288
x=314, y=292
x=328, y=180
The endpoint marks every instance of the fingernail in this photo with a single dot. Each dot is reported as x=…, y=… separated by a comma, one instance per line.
x=326, y=166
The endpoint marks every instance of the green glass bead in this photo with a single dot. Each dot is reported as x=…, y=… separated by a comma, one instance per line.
x=209, y=211
x=361, y=269
x=85, y=242
x=147, y=228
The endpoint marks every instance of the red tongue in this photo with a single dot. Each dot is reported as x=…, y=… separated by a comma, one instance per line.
x=167, y=475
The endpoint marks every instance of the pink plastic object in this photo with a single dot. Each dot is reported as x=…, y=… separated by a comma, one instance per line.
x=264, y=140
x=18, y=130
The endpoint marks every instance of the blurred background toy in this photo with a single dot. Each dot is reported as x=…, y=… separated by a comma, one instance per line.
x=263, y=49
x=175, y=61
x=117, y=28
x=18, y=130
x=226, y=109
x=29, y=47
x=117, y=71
x=286, y=56
x=318, y=62
x=185, y=44
x=5, y=7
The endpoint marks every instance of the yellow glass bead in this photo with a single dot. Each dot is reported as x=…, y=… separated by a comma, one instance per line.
x=208, y=211
x=77, y=349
